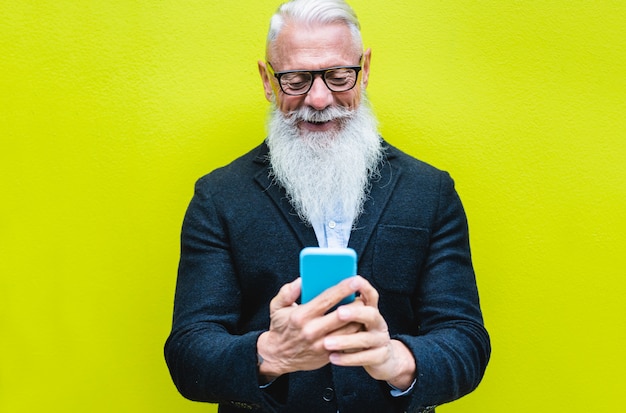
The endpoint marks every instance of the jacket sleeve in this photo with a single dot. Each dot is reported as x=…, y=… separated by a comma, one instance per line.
x=208, y=359
x=452, y=347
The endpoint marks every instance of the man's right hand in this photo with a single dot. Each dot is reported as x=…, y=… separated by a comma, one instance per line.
x=295, y=340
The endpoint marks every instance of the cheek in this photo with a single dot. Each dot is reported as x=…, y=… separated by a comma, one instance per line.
x=349, y=99
x=288, y=103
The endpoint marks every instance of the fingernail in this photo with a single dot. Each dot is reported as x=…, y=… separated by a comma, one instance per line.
x=343, y=312
x=330, y=342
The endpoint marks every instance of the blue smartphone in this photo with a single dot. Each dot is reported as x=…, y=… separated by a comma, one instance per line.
x=321, y=268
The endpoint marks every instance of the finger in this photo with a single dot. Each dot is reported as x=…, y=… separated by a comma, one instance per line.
x=367, y=292
x=368, y=316
x=366, y=357
x=347, y=329
x=328, y=299
x=287, y=295
x=356, y=341
x=329, y=324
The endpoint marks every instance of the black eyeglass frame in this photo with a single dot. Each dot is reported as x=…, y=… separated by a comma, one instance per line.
x=321, y=73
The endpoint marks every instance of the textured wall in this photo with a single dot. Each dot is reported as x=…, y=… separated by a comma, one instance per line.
x=109, y=111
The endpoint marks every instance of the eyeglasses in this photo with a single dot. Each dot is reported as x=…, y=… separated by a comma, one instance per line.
x=299, y=82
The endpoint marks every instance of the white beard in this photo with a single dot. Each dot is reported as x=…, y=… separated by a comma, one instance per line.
x=325, y=173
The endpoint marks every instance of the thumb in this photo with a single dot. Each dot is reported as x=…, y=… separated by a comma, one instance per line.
x=287, y=295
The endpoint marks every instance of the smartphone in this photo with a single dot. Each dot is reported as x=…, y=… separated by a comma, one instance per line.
x=321, y=268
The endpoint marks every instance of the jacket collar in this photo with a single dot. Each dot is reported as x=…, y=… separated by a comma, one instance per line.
x=380, y=193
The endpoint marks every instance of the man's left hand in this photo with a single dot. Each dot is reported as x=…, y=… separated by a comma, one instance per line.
x=372, y=348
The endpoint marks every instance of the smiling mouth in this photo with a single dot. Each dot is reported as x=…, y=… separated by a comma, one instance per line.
x=316, y=126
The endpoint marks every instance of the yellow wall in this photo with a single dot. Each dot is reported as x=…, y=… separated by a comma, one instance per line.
x=109, y=111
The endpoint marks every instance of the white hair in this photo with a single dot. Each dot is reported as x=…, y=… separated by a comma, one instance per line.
x=324, y=173
x=311, y=12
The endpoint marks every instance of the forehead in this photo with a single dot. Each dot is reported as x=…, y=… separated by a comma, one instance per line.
x=314, y=47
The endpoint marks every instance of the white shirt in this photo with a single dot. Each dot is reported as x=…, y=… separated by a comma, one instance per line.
x=333, y=231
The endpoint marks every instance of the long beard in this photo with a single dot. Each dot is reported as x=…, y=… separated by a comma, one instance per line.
x=325, y=173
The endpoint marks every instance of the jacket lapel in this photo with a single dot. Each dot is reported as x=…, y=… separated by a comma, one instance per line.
x=379, y=196
x=380, y=193
x=305, y=233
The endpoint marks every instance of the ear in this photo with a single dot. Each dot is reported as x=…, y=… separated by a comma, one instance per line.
x=267, y=82
x=365, y=72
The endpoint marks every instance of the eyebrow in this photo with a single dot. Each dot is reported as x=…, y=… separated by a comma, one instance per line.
x=315, y=71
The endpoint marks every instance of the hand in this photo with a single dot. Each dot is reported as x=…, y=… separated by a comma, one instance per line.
x=372, y=348
x=295, y=340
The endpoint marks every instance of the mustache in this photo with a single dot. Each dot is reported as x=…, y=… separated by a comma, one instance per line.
x=308, y=114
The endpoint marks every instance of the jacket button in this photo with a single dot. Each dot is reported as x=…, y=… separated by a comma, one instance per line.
x=328, y=394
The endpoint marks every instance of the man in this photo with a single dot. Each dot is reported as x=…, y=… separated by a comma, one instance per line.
x=413, y=338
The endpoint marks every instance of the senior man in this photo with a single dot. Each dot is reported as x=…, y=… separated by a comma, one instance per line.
x=414, y=337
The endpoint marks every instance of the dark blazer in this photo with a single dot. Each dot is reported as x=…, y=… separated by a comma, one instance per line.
x=240, y=244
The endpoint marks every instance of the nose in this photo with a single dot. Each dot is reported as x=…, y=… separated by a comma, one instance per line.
x=319, y=96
